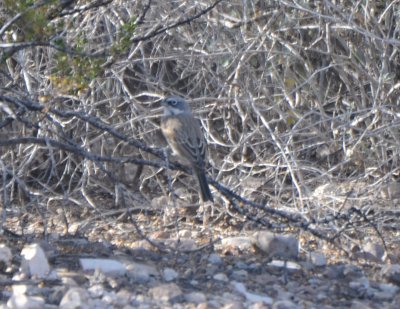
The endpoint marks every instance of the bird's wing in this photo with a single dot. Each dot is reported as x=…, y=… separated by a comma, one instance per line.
x=190, y=140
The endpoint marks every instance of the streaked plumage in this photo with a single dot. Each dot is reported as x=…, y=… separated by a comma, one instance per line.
x=184, y=135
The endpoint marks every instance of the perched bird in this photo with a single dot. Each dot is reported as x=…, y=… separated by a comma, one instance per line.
x=183, y=134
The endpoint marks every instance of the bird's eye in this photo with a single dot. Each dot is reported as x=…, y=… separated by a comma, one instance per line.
x=173, y=102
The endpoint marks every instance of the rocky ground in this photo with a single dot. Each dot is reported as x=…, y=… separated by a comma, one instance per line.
x=104, y=264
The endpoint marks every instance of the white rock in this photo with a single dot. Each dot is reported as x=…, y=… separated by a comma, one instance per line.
x=5, y=254
x=254, y=298
x=169, y=274
x=277, y=246
x=284, y=304
x=288, y=265
x=141, y=272
x=194, y=282
x=19, y=289
x=233, y=305
x=123, y=297
x=112, y=299
x=96, y=290
x=34, y=261
x=374, y=251
x=185, y=244
x=73, y=228
x=317, y=258
x=169, y=292
x=75, y=298
x=25, y=302
x=185, y=234
x=106, y=266
x=221, y=277
x=242, y=243
x=196, y=298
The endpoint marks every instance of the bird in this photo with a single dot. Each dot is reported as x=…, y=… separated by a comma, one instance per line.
x=184, y=135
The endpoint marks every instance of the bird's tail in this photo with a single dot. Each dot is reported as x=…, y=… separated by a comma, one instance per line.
x=205, y=191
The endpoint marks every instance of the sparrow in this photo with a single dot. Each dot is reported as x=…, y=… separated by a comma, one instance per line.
x=184, y=135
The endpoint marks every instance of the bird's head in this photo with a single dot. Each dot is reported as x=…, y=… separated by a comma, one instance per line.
x=175, y=105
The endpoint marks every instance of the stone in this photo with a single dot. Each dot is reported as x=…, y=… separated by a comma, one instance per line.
x=242, y=243
x=181, y=244
x=240, y=275
x=75, y=298
x=374, y=251
x=34, y=261
x=318, y=259
x=25, y=302
x=169, y=274
x=221, y=277
x=233, y=305
x=275, y=246
x=96, y=290
x=141, y=273
x=215, y=259
x=168, y=292
x=5, y=255
x=107, y=266
x=284, y=304
x=251, y=297
x=196, y=297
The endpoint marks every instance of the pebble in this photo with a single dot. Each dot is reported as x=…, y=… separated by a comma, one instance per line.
x=181, y=244
x=242, y=243
x=356, y=304
x=318, y=259
x=258, y=305
x=34, y=261
x=96, y=290
x=215, y=259
x=284, y=247
x=195, y=297
x=374, y=251
x=169, y=274
x=75, y=298
x=233, y=305
x=284, y=304
x=107, y=266
x=141, y=273
x=5, y=254
x=168, y=292
x=251, y=297
x=187, y=234
x=221, y=277
x=241, y=265
x=239, y=275
x=25, y=302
